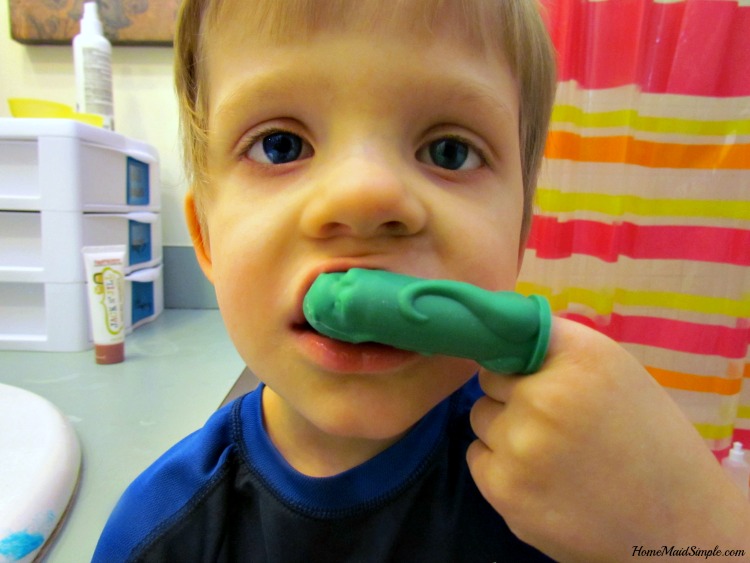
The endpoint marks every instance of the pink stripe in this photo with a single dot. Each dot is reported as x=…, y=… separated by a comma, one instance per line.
x=661, y=35
x=670, y=334
x=695, y=47
x=735, y=75
x=741, y=435
x=553, y=239
x=702, y=49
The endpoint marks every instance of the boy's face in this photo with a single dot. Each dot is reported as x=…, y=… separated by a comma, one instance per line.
x=379, y=150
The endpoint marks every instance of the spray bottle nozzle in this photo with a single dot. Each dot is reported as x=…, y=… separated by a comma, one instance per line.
x=737, y=452
x=90, y=22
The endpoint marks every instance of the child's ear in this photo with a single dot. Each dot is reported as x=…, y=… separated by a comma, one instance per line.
x=198, y=236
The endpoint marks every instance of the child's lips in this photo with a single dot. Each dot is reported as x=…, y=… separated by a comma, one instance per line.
x=343, y=357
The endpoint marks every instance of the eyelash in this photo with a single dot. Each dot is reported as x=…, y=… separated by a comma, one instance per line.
x=258, y=137
x=472, y=146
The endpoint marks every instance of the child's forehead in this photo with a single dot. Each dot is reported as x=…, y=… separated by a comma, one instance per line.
x=472, y=22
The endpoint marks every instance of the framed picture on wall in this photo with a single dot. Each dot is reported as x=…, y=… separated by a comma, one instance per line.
x=126, y=22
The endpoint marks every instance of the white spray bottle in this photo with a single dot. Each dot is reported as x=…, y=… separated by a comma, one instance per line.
x=92, y=58
x=738, y=468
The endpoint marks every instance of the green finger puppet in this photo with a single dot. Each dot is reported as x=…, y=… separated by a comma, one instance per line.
x=503, y=331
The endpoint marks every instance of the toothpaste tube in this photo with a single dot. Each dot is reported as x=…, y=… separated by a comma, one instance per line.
x=105, y=278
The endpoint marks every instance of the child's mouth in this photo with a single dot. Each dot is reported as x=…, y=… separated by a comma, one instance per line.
x=303, y=327
x=344, y=357
x=338, y=354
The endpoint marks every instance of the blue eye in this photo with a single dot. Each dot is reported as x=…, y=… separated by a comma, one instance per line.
x=279, y=147
x=451, y=154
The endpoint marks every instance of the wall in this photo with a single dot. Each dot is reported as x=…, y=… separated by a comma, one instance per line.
x=145, y=109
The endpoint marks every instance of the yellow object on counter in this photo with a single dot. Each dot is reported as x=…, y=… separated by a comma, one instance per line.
x=30, y=107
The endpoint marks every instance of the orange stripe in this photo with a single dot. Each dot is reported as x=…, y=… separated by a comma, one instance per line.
x=569, y=146
x=690, y=382
x=746, y=373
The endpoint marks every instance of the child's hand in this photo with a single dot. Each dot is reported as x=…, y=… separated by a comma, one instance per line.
x=590, y=460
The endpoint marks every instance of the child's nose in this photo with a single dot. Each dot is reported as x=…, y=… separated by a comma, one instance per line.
x=362, y=197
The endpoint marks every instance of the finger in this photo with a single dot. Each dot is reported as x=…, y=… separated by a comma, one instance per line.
x=572, y=339
x=485, y=418
x=486, y=473
x=498, y=386
x=501, y=386
x=478, y=456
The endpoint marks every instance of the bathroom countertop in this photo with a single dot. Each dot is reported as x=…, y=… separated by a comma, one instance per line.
x=178, y=370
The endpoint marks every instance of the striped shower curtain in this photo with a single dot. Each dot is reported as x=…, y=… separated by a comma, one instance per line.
x=642, y=225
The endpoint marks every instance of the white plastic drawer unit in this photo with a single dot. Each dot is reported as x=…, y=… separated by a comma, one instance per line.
x=53, y=317
x=65, y=185
x=64, y=165
x=45, y=246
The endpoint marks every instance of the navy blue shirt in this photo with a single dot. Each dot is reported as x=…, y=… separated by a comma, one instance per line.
x=225, y=493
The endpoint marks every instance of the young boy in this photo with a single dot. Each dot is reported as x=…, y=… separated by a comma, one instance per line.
x=403, y=136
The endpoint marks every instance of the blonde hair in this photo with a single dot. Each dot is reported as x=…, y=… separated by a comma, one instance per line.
x=514, y=27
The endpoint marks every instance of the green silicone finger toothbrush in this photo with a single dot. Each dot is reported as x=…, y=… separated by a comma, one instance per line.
x=503, y=331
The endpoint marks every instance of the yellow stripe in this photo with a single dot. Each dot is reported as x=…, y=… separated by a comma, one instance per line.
x=603, y=301
x=743, y=412
x=631, y=118
x=714, y=431
x=555, y=201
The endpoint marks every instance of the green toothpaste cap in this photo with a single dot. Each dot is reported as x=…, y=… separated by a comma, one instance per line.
x=503, y=331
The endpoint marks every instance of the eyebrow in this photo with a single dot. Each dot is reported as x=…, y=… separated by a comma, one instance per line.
x=482, y=96
x=279, y=87
x=475, y=94
x=261, y=88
